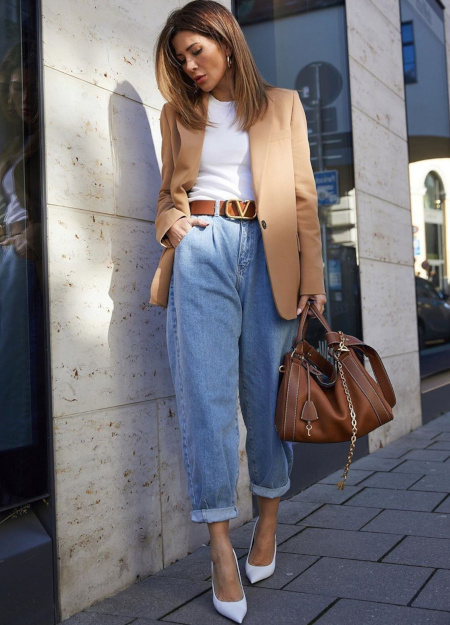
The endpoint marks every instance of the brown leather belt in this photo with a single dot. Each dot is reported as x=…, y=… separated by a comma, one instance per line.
x=10, y=230
x=234, y=209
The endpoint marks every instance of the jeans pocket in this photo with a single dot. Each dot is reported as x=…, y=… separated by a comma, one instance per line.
x=187, y=234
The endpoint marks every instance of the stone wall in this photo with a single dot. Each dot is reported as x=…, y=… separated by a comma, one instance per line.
x=121, y=498
x=383, y=204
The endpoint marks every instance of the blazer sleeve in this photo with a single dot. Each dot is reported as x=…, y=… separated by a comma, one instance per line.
x=308, y=226
x=166, y=213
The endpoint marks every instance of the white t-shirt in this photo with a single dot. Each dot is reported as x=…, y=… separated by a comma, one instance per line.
x=224, y=170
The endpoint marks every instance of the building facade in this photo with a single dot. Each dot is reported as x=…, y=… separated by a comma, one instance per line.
x=92, y=483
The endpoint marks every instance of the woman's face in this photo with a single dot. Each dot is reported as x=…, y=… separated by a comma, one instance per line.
x=22, y=93
x=203, y=61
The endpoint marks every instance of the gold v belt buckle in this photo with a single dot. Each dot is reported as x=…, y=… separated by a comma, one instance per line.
x=242, y=211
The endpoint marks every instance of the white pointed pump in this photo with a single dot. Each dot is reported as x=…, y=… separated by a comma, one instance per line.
x=234, y=610
x=257, y=573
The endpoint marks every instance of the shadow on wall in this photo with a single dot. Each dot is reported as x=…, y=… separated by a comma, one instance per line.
x=137, y=331
x=138, y=349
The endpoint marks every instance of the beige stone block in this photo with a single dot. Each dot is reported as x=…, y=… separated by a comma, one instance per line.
x=384, y=230
x=381, y=161
x=136, y=147
x=108, y=44
x=108, y=344
x=404, y=373
x=107, y=502
x=375, y=43
x=390, y=9
x=180, y=534
x=375, y=99
x=389, y=307
x=77, y=144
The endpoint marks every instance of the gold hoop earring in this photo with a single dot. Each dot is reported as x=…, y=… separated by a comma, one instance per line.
x=228, y=61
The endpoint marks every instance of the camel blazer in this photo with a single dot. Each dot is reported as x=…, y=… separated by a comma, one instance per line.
x=285, y=196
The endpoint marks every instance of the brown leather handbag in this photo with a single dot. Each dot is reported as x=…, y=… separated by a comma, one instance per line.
x=348, y=404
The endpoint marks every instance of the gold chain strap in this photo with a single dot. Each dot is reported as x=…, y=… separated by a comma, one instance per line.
x=343, y=347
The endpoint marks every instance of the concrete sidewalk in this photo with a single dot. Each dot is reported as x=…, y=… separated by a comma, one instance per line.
x=377, y=552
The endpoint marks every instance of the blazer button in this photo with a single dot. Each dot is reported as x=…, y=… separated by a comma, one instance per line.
x=263, y=224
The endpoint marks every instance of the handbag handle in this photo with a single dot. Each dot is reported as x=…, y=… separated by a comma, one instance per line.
x=333, y=339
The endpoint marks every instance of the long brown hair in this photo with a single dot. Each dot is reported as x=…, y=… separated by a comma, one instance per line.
x=212, y=20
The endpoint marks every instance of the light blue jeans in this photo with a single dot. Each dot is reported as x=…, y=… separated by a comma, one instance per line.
x=225, y=342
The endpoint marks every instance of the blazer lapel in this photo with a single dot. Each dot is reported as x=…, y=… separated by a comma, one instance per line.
x=259, y=135
x=191, y=146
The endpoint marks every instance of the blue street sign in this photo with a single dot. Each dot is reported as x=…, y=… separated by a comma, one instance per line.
x=327, y=187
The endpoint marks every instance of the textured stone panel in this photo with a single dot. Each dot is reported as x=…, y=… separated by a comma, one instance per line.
x=387, y=291
x=136, y=149
x=107, y=502
x=78, y=144
x=376, y=99
x=376, y=241
x=381, y=161
x=108, y=44
x=108, y=344
x=375, y=42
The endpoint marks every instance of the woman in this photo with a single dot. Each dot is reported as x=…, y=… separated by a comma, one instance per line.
x=234, y=275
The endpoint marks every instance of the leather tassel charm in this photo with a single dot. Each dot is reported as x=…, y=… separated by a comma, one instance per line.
x=309, y=412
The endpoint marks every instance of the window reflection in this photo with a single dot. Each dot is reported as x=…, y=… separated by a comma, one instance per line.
x=429, y=172
x=22, y=366
x=302, y=45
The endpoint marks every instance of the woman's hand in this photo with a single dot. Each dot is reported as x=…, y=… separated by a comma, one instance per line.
x=182, y=226
x=319, y=301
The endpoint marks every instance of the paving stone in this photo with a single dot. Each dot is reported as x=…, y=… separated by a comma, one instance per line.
x=436, y=593
x=326, y=493
x=397, y=499
x=438, y=425
x=421, y=433
x=241, y=536
x=427, y=454
x=341, y=543
x=421, y=551
x=409, y=443
x=292, y=512
x=395, y=481
x=392, y=452
x=288, y=567
x=423, y=467
x=340, y=517
x=443, y=437
x=196, y=565
x=354, y=579
x=445, y=445
x=349, y=612
x=93, y=618
x=373, y=463
x=354, y=477
x=436, y=483
x=264, y=606
x=152, y=597
x=429, y=524
x=143, y=621
x=444, y=507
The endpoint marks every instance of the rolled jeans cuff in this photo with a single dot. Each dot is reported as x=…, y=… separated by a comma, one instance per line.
x=270, y=493
x=211, y=515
